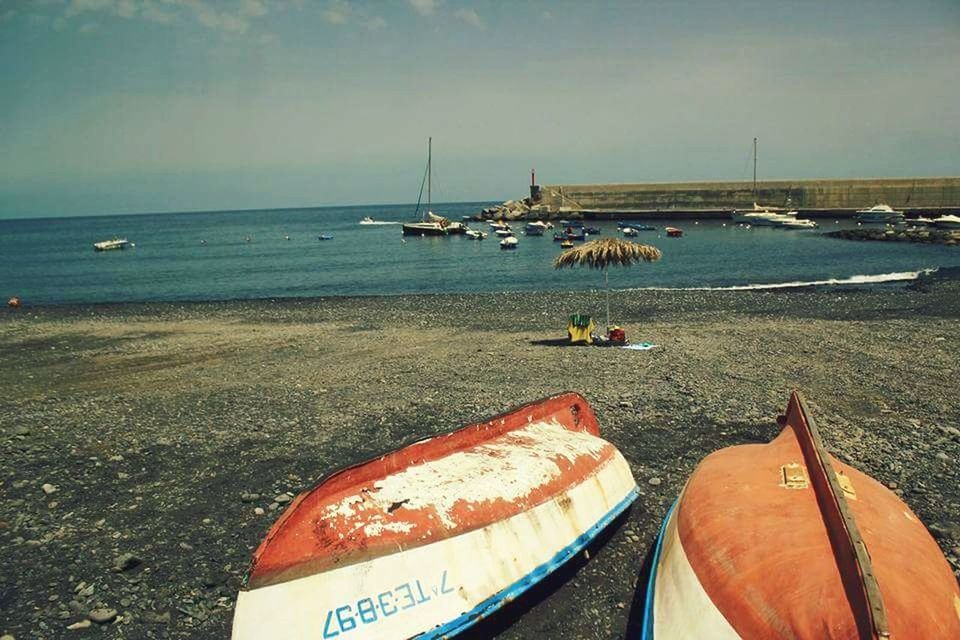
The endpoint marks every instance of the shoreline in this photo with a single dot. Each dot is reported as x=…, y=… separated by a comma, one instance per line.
x=892, y=279
x=164, y=427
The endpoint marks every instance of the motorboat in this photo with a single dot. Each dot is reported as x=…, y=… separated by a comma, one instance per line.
x=879, y=214
x=673, y=232
x=367, y=220
x=946, y=222
x=427, y=540
x=509, y=243
x=566, y=244
x=504, y=233
x=535, y=228
x=797, y=223
x=324, y=236
x=110, y=245
x=474, y=234
x=630, y=232
x=782, y=540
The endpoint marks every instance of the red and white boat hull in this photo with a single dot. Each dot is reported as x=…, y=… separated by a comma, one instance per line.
x=440, y=534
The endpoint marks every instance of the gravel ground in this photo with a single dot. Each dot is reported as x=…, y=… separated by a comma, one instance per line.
x=147, y=448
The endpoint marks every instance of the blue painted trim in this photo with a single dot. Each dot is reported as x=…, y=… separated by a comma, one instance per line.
x=494, y=602
x=652, y=580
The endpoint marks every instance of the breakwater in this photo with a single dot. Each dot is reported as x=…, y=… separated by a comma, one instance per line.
x=825, y=198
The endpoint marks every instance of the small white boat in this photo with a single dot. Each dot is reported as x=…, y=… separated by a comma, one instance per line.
x=509, y=243
x=473, y=234
x=630, y=232
x=797, y=223
x=504, y=233
x=109, y=245
x=946, y=222
x=368, y=220
x=879, y=214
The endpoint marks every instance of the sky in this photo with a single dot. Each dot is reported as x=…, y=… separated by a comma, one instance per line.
x=131, y=106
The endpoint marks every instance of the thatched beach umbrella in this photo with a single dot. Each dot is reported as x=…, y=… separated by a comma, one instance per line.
x=604, y=253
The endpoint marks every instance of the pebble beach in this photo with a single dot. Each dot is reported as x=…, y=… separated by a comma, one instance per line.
x=147, y=448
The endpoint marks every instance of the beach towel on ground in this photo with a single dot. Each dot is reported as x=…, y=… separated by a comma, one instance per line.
x=640, y=346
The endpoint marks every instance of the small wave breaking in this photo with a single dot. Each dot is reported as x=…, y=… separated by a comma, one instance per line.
x=879, y=278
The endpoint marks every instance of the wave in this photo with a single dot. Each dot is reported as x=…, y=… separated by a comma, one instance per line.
x=879, y=278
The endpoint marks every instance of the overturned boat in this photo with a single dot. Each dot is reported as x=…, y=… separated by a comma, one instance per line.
x=783, y=541
x=426, y=541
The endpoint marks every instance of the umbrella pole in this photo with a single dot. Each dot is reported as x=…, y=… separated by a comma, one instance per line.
x=606, y=281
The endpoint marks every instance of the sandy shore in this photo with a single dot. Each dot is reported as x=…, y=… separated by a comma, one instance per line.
x=159, y=430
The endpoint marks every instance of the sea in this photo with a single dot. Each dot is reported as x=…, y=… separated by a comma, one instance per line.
x=251, y=254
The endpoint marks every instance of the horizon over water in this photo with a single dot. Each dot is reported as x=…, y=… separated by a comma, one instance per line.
x=52, y=261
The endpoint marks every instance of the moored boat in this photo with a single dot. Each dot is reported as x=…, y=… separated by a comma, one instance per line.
x=509, y=243
x=673, y=232
x=879, y=214
x=946, y=222
x=429, y=539
x=534, y=228
x=431, y=224
x=504, y=233
x=781, y=540
x=630, y=232
x=474, y=234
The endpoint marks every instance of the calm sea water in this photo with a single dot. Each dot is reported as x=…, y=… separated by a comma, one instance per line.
x=52, y=260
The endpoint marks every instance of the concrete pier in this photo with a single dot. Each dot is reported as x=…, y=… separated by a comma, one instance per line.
x=813, y=198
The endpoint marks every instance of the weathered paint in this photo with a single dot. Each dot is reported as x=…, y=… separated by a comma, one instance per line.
x=762, y=555
x=432, y=537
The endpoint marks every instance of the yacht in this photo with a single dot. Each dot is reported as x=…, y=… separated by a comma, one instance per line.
x=946, y=222
x=879, y=214
x=431, y=224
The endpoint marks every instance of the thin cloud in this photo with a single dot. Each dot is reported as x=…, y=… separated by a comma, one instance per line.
x=337, y=12
x=375, y=23
x=212, y=15
x=425, y=7
x=470, y=17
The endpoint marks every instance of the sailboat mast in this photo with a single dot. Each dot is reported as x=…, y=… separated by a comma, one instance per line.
x=429, y=176
x=754, y=166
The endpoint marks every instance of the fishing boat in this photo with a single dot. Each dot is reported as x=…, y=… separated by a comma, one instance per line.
x=509, y=243
x=110, y=245
x=430, y=539
x=879, y=214
x=431, y=224
x=781, y=540
x=673, y=232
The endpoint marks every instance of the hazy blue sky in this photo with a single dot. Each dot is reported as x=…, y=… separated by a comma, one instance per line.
x=110, y=106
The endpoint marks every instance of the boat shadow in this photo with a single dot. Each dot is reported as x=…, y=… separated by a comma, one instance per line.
x=502, y=619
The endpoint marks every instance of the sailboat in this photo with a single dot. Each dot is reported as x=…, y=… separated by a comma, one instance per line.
x=431, y=224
